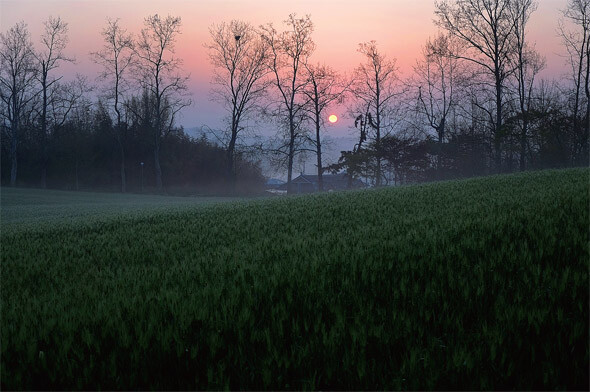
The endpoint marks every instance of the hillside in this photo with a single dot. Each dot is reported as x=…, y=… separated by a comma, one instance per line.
x=474, y=284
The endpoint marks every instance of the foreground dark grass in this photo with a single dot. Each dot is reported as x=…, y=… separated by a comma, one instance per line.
x=477, y=284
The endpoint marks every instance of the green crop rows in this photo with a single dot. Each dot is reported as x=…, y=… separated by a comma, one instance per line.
x=477, y=284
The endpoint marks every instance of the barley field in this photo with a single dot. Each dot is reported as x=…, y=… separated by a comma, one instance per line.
x=472, y=284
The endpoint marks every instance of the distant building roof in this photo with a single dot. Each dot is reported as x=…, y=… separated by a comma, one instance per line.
x=305, y=183
x=274, y=181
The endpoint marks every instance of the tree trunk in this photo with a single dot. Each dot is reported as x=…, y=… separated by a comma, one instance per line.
x=44, y=172
x=378, y=140
x=13, y=164
x=523, y=143
x=291, y=154
x=498, y=131
x=44, y=157
x=231, y=173
x=510, y=156
x=319, y=150
x=77, y=177
x=158, y=135
x=290, y=165
x=585, y=141
x=441, y=136
x=123, y=177
x=157, y=167
x=438, y=160
x=574, y=158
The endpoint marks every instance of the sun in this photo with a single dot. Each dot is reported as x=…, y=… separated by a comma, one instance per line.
x=333, y=118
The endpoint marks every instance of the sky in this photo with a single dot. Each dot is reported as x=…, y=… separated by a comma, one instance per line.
x=400, y=27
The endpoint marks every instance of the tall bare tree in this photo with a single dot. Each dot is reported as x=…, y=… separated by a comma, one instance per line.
x=528, y=63
x=49, y=57
x=159, y=74
x=374, y=88
x=576, y=40
x=324, y=87
x=69, y=105
x=68, y=97
x=115, y=57
x=240, y=57
x=289, y=51
x=486, y=29
x=80, y=122
x=17, y=78
x=439, y=76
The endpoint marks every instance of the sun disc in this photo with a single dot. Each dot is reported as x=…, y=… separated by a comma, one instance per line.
x=333, y=118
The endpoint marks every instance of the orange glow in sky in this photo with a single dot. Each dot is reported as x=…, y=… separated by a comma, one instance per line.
x=400, y=28
x=333, y=118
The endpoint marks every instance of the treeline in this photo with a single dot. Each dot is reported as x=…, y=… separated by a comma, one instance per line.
x=54, y=135
x=466, y=148
x=474, y=103
x=84, y=157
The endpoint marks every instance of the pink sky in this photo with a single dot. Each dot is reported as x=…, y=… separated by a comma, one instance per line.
x=400, y=27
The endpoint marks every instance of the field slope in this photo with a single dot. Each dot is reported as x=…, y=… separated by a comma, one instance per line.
x=476, y=284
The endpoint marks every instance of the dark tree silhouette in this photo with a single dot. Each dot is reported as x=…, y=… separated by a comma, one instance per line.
x=159, y=74
x=240, y=57
x=324, y=87
x=576, y=40
x=528, y=63
x=439, y=77
x=374, y=88
x=49, y=57
x=486, y=29
x=115, y=57
x=289, y=51
x=17, y=76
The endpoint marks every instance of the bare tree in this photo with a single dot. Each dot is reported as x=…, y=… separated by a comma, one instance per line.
x=289, y=51
x=80, y=122
x=67, y=97
x=240, y=57
x=528, y=63
x=374, y=88
x=439, y=76
x=49, y=57
x=323, y=88
x=577, y=44
x=17, y=76
x=69, y=103
x=115, y=57
x=159, y=74
x=486, y=29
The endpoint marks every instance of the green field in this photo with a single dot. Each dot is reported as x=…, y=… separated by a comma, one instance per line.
x=475, y=284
